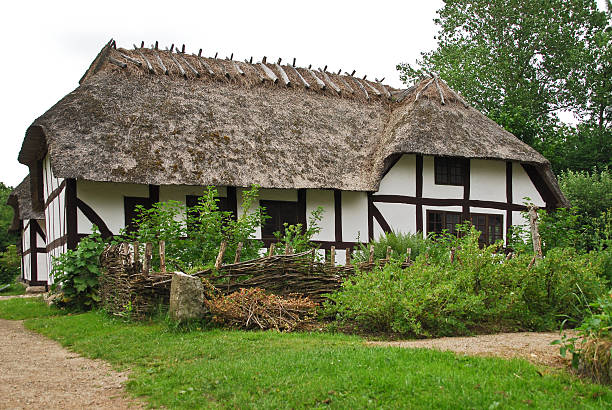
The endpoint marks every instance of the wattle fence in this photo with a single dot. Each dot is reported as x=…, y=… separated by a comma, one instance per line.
x=128, y=287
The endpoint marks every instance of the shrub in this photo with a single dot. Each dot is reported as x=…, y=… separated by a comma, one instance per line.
x=399, y=243
x=76, y=272
x=479, y=290
x=10, y=264
x=193, y=236
x=296, y=237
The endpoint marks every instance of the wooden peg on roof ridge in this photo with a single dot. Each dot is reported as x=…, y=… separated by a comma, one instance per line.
x=294, y=61
x=251, y=60
x=279, y=60
x=232, y=56
x=216, y=54
x=309, y=66
x=325, y=68
x=172, y=47
x=157, y=45
x=183, y=49
x=353, y=73
x=339, y=71
x=365, y=76
x=200, y=53
x=142, y=44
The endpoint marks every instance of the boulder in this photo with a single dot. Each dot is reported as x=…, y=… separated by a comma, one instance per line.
x=35, y=289
x=186, y=297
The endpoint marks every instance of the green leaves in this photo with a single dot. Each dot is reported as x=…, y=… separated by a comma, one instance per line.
x=76, y=273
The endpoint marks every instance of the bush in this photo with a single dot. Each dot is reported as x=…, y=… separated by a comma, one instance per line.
x=193, y=236
x=10, y=264
x=298, y=239
x=76, y=272
x=399, y=243
x=479, y=290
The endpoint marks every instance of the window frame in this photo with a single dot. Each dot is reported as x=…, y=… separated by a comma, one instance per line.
x=452, y=230
x=273, y=206
x=484, y=235
x=450, y=164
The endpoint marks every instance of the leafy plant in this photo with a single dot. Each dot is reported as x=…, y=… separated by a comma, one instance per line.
x=10, y=263
x=476, y=288
x=193, y=235
x=298, y=239
x=399, y=243
x=76, y=272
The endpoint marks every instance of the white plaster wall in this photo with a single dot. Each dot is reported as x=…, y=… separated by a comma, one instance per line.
x=401, y=178
x=488, y=180
x=27, y=274
x=340, y=258
x=106, y=199
x=43, y=274
x=325, y=199
x=354, y=216
x=431, y=190
x=25, y=243
x=55, y=214
x=378, y=230
x=400, y=217
x=40, y=243
x=523, y=187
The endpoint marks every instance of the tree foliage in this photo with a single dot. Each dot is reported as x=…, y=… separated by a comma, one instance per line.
x=6, y=218
x=522, y=63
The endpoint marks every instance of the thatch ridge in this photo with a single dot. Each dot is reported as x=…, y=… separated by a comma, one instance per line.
x=127, y=124
x=20, y=200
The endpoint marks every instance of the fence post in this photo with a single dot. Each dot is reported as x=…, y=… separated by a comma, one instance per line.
x=389, y=250
x=146, y=266
x=271, y=250
x=535, y=233
x=332, y=256
x=136, y=252
x=287, y=249
x=408, y=253
x=371, y=259
x=219, y=261
x=348, y=256
x=238, y=251
x=162, y=256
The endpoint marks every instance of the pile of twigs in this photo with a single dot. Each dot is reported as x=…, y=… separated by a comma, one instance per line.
x=256, y=309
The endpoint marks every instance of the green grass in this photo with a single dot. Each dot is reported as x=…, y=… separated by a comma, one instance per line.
x=219, y=368
x=16, y=288
x=26, y=308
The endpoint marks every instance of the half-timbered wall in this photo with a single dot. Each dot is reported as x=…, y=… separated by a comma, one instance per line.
x=54, y=199
x=33, y=256
x=406, y=193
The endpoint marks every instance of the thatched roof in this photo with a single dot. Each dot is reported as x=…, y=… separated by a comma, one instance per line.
x=223, y=122
x=21, y=202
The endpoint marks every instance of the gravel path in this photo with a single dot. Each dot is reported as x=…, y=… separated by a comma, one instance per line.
x=534, y=347
x=36, y=372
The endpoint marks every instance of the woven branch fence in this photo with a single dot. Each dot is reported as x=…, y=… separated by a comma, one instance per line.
x=128, y=287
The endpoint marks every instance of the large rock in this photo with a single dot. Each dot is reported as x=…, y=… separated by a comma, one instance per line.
x=186, y=297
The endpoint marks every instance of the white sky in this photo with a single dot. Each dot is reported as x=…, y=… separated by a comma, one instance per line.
x=49, y=44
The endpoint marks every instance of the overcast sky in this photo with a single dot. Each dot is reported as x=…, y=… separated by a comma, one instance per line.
x=49, y=44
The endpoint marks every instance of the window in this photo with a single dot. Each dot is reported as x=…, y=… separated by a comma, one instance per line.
x=490, y=227
x=280, y=212
x=437, y=221
x=450, y=171
x=129, y=206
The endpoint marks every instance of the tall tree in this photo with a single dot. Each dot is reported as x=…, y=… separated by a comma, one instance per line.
x=6, y=218
x=523, y=63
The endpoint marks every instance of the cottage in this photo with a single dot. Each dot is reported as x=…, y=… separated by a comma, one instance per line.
x=147, y=125
x=31, y=225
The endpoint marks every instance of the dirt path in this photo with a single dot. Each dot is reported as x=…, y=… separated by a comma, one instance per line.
x=534, y=347
x=36, y=372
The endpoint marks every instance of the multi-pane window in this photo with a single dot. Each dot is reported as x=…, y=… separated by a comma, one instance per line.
x=437, y=221
x=280, y=212
x=450, y=171
x=490, y=227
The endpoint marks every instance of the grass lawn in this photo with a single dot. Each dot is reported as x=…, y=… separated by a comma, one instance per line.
x=27, y=308
x=220, y=368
